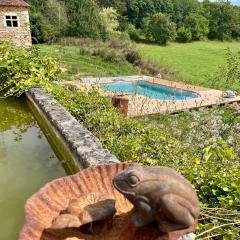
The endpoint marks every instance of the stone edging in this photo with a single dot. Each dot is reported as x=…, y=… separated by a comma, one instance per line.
x=83, y=145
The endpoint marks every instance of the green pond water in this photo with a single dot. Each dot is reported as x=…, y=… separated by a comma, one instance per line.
x=27, y=162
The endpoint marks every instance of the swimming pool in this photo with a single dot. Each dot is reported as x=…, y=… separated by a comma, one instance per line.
x=147, y=89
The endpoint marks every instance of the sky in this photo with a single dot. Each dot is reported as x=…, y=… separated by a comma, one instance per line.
x=235, y=2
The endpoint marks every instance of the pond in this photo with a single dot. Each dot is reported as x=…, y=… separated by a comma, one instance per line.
x=27, y=162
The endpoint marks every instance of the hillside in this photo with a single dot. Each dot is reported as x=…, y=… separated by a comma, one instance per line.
x=181, y=20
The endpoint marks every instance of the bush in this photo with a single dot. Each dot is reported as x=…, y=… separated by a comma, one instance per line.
x=41, y=29
x=214, y=170
x=184, y=35
x=198, y=25
x=112, y=50
x=21, y=69
x=118, y=51
x=228, y=76
x=128, y=139
x=161, y=28
x=119, y=36
x=133, y=33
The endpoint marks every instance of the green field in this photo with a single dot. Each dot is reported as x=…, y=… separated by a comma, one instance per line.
x=192, y=61
x=77, y=65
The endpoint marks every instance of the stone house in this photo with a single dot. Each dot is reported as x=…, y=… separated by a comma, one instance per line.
x=14, y=22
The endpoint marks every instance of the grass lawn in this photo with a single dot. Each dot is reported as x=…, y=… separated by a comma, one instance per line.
x=79, y=66
x=192, y=61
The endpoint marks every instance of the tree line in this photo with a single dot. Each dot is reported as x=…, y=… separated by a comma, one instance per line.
x=143, y=20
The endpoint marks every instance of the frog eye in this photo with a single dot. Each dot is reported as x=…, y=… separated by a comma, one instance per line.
x=133, y=180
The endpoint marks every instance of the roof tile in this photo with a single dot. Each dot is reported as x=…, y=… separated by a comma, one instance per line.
x=14, y=3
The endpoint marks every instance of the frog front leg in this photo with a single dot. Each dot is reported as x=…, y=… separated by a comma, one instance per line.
x=144, y=214
x=176, y=213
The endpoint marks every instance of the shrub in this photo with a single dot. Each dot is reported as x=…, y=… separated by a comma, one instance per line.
x=228, y=76
x=119, y=36
x=41, y=30
x=128, y=139
x=198, y=25
x=184, y=35
x=161, y=28
x=134, y=33
x=21, y=69
x=214, y=169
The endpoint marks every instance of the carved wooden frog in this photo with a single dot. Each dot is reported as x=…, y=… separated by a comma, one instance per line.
x=159, y=194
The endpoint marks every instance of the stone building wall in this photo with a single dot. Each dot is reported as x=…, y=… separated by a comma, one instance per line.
x=20, y=35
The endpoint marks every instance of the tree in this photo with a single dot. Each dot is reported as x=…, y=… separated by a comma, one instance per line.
x=184, y=35
x=198, y=25
x=84, y=19
x=236, y=26
x=109, y=19
x=161, y=28
x=182, y=8
x=45, y=21
x=41, y=29
x=221, y=19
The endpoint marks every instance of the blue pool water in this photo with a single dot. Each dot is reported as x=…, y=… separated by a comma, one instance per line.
x=148, y=89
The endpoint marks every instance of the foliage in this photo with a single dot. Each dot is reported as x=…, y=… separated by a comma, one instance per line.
x=109, y=19
x=41, y=30
x=161, y=28
x=115, y=51
x=84, y=19
x=184, y=35
x=221, y=20
x=182, y=9
x=51, y=19
x=128, y=139
x=214, y=135
x=74, y=65
x=198, y=26
x=45, y=21
x=134, y=33
x=21, y=69
x=228, y=76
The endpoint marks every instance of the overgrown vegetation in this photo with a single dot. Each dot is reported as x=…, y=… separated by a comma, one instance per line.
x=203, y=146
x=21, y=69
x=104, y=19
x=228, y=75
x=115, y=51
x=74, y=65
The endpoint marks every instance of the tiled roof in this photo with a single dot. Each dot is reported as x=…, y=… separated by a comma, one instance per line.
x=14, y=3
